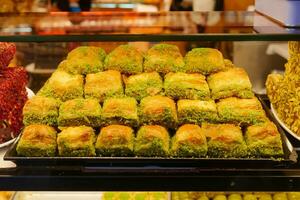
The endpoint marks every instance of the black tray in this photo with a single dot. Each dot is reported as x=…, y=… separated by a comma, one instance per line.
x=289, y=158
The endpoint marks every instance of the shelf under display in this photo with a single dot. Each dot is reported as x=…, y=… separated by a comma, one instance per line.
x=151, y=179
x=128, y=26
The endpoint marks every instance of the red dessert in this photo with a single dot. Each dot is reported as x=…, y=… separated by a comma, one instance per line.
x=13, y=94
x=7, y=52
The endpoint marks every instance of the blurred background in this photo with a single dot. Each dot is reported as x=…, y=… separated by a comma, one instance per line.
x=122, y=5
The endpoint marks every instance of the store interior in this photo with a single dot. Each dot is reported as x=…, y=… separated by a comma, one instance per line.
x=246, y=78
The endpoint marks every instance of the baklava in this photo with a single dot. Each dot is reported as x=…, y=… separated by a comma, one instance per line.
x=250, y=197
x=37, y=141
x=115, y=140
x=186, y=86
x=293, y=195
x=224, y=141
x=103, y=85
x=280, y=196
x=41, y=110
x=235, y=197
x=76, y=142
x=126, y=59
x=231, y=83
x=189, y=141
x=120, y=111
x=196, y=111
x=164, y=58
x=144, y=84
x=263, y=196
x=241, y=111
x=264, y=140
x=204, y=61
x=78, y=112
x=220, y=197
x=158, y=110
x=63, y=86
x=84, y=60
x=152, y=141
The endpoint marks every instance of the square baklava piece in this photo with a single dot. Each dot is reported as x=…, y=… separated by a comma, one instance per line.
x=164, y=58
x=120, y=111
x=41, y=110
x=63, y=86
x=231, y=83
x=224, y=141
x=158, y=110
x=189, y=141
x=152, y=141
x=78, y=112
x=103, y=85
x=76, y=142
x=196, y=111
x=241, y=111
x=186, y=86
x=115, y=140
x=84, y=60
x=204, y=61
x=37, y=141
x=126, y=59
x=143, y=85
x=264, y=140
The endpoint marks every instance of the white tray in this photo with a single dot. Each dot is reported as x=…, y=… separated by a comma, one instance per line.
x=57, y=196
x=282, y=124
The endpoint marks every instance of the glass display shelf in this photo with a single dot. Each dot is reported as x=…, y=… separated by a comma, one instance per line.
x=129, y=26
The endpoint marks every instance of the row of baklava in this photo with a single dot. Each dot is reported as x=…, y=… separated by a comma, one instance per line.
x=212, y=140
x=161, y=58
x=233, y=82
x=152, y=110
x=235, y=195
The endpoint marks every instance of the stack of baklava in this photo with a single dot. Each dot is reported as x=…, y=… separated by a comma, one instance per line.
x=158, y=105
x=284, y=91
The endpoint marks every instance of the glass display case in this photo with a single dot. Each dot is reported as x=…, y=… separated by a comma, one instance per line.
x=43, y=40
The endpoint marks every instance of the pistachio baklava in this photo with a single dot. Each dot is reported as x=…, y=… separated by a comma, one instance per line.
x=196, y=111
x=264, y=140
x=152, y=141
x=224, y=141
x=143, y=85
x=78, y=112
x=231, y=83
x=158, y=110
x=37, y=141
x=63, y=86
x=204, y=61
x=103, y=85
x=164, y=58
x=84, y=60
x=76, y=141
x=115, y=140
x=126, y=59
x=186, y=86
x=41, y=110
x=121, y=110
x=189, y=141
x=241, y=111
